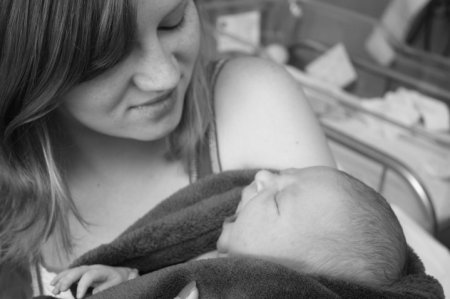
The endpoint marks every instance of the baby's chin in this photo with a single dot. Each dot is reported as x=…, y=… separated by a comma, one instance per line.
x=222, y=244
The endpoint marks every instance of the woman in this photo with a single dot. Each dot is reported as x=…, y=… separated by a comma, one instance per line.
x=105, y=110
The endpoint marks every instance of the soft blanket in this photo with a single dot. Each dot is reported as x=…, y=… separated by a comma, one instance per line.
x=162, y=243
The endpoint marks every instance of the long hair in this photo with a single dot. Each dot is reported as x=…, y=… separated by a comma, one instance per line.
x=46, y=48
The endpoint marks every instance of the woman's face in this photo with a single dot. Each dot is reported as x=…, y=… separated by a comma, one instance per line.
x=142, y=96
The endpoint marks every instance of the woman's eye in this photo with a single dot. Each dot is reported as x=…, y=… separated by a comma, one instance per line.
x=175, y=24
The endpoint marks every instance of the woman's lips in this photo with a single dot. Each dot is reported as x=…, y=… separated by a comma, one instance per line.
x=158, y=107
x=157, y=100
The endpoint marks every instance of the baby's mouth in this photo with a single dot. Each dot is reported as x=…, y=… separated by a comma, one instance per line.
x=230, y=219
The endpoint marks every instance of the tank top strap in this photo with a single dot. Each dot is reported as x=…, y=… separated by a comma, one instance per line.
x=207, y=158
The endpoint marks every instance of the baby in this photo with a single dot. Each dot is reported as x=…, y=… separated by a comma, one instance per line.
x=315, y=220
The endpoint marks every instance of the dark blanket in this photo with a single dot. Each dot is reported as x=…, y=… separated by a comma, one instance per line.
x=188, y=224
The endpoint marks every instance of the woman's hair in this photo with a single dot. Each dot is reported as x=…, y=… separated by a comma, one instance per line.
x=46, y=48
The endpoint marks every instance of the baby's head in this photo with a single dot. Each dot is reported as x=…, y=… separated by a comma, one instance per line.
x=318, y=220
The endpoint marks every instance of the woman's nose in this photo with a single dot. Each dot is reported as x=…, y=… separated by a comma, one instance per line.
x=157, y=70
x=264, y=179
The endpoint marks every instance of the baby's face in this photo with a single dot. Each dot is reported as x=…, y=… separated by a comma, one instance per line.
x=278, y=212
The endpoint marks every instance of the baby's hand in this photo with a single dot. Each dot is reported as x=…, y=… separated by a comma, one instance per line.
x=97, y=276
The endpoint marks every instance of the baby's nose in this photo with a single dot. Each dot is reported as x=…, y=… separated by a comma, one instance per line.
x=264, y=179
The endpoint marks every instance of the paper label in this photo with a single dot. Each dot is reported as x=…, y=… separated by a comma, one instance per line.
x=334, y=67
x=239, y=32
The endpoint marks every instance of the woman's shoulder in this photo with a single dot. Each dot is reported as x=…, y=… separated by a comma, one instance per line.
x=263, y=118
x=247, y=81
x=242, y=73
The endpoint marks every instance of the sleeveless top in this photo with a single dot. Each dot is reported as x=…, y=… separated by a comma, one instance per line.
x=205, y=162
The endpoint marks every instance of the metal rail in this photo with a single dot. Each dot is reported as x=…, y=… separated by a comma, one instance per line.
x=388, y=163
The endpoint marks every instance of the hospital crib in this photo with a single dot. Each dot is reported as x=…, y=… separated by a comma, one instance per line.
x=398, y=180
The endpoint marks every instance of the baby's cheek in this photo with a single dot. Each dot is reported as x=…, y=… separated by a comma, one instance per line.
x=231, y=245
x=245, y=198
x=241, y=246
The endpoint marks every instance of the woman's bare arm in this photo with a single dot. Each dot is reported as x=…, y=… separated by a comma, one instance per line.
x=264, y=120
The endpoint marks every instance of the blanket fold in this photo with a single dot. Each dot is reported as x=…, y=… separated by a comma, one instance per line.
x=180, y=228
x=162, y=243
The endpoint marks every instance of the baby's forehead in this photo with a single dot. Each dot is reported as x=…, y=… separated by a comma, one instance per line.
x=319, y=184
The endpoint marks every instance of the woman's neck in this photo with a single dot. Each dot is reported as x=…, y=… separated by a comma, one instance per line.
x=86, y=150
x=113, y=182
